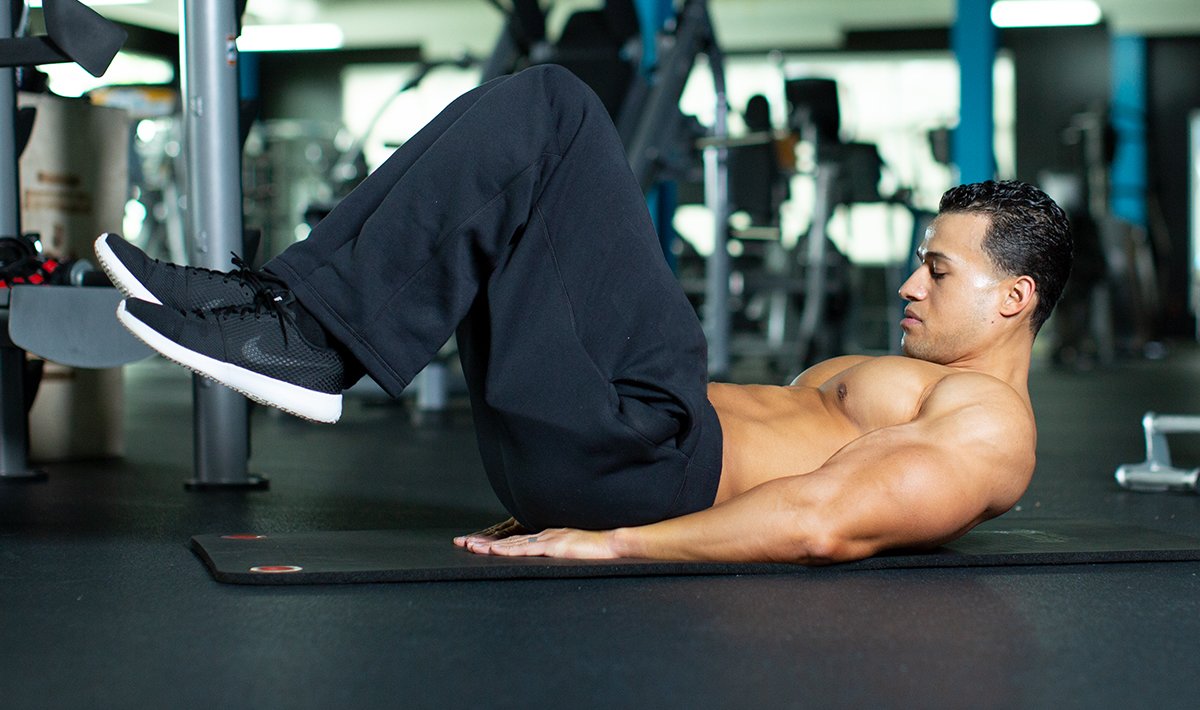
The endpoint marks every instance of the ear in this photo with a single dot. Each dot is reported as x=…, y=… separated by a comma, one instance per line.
x=1022, y=294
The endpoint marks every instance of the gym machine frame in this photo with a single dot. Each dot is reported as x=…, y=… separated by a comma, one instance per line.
x=654, y=137
x=76, y=34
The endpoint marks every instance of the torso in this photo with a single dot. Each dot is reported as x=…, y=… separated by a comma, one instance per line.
x=771, y=431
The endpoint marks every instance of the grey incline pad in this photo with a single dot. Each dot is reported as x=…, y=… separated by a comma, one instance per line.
x=428, y=555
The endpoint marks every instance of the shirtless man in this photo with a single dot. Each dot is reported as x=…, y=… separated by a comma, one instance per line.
x=513, y=217
x=861, y=454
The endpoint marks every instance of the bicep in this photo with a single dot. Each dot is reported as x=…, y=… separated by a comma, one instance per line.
x=914, y=485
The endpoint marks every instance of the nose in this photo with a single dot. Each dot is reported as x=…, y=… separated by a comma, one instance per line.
x=914, y=288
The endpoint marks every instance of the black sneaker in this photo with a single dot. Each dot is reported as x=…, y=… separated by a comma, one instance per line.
x=187, y=288
x=256, y=349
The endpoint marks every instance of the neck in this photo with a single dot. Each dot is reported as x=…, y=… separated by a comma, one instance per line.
x=1007, y=361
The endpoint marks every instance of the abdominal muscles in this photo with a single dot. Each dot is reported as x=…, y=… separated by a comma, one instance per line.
x=772, y=432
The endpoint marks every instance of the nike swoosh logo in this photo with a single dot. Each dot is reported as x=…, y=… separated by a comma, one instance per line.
x=253, y=353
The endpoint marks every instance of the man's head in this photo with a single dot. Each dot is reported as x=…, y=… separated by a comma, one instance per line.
x=1028, y=234
x=998, y=254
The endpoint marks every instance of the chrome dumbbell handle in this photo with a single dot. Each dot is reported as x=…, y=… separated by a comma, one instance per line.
x=1157, y=473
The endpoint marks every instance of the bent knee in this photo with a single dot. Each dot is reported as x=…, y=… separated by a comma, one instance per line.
x=561, y=85
x=554, y=75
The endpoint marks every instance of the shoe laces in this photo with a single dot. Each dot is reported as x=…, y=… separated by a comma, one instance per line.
x=257, y=279
x=271, y=296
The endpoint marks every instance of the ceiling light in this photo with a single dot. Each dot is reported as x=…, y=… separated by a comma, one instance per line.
x=1045, y=13
x=289, y=38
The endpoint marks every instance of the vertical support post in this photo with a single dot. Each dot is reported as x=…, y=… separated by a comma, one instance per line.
x=815, y=268
x=10, y=220
x=661, y=198
x=716, y=196
x=1193, y=163
x=652, y=15
x=209, y=58
x=14, y=425
x=973, y=39
x=1127, y=185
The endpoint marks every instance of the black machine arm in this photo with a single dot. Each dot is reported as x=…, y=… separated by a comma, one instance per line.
x=75, y=33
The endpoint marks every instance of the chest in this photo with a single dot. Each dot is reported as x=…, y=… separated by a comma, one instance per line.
x=879, y=393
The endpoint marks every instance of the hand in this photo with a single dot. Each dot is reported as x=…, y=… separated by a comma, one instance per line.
x=499, y=531
x=556, y=542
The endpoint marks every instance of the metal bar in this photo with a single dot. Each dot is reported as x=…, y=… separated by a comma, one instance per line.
x=1150, y=480
x=716, y=195
x=748, y=139
x=30, y=51
x=1193, y=186
x=1173, y=423
x=208, y=54
x=1157, y=473
x=14, y=447
x=10, y=220
x=654, y=130
x=14, y=425
x=814, y=266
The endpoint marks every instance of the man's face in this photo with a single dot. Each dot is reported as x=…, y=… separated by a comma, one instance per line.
x=954, y=295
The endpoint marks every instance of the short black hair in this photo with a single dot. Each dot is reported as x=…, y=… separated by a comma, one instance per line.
x=1027, y=235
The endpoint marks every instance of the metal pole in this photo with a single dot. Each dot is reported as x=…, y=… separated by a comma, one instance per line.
x=10, y=221
x=14, y=425
x=716, y=181
x=208, y=54
x=814, y=266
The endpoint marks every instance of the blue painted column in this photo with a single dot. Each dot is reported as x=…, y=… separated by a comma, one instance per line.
x=973, y=39
x=248, y=72
x=663, y=197
x=1127, y=194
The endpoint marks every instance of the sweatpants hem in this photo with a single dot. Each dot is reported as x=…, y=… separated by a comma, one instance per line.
x=391, y=381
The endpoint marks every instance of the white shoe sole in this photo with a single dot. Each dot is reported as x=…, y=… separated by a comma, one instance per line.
x=121, y=277
x=315, y=406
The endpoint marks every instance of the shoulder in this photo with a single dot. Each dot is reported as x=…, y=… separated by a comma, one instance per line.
x=976, y=392
x=984, y=419
x=979, y=406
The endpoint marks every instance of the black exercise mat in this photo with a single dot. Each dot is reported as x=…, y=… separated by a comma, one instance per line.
x=427, y=555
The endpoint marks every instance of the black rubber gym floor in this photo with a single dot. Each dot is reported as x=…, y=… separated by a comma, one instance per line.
x=103, y=604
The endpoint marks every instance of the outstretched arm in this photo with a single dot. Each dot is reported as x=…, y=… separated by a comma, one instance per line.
x=965, y=458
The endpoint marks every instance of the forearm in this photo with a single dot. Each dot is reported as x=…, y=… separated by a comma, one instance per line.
x=777, y=521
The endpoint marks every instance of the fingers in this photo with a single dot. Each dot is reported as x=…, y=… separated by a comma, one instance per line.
x=536, y=545
x=496, y=532
x=558, y=542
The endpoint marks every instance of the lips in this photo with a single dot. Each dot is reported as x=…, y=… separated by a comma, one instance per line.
x=910, y=318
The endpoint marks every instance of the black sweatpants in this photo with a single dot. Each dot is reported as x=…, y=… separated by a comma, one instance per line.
x=514, y=218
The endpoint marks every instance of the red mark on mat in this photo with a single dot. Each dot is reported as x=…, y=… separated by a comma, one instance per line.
x=243, y=536
x=276, y=569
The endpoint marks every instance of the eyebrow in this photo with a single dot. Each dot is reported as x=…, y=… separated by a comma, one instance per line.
x=923, y=255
